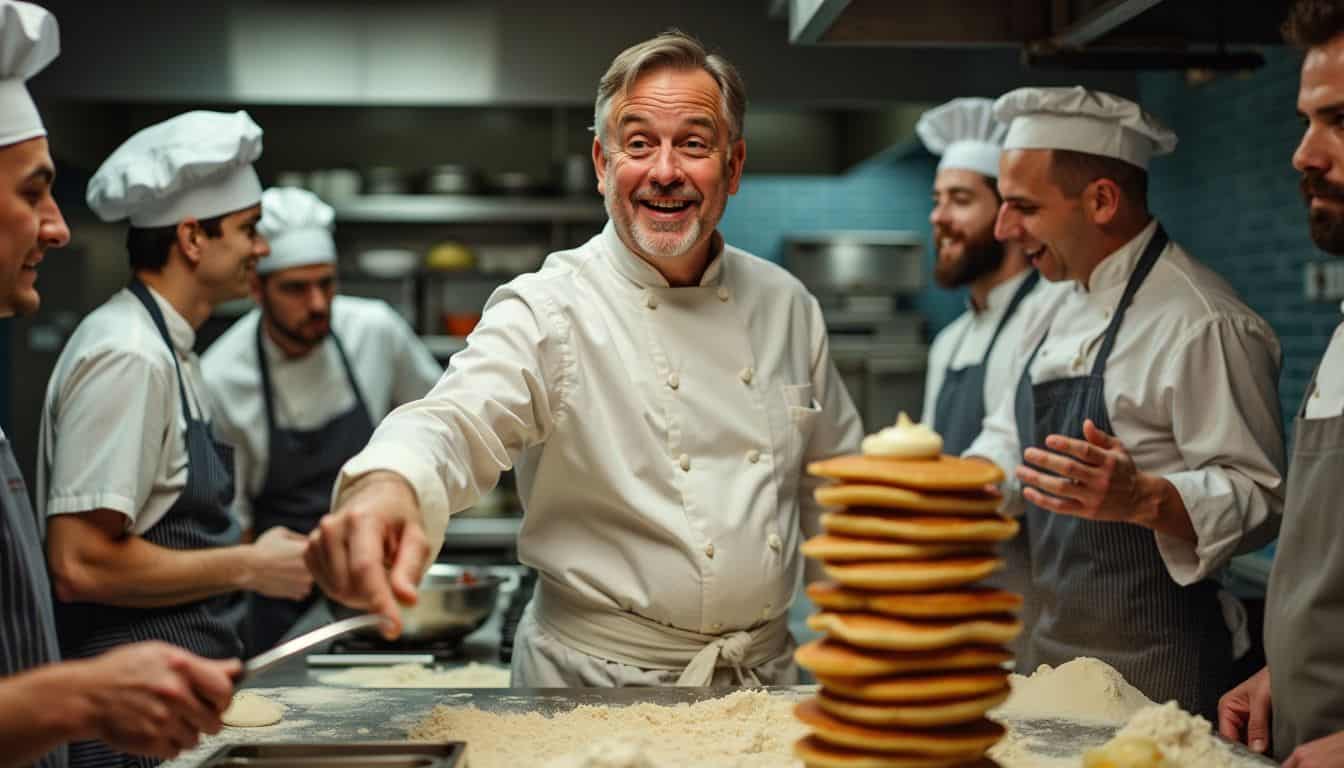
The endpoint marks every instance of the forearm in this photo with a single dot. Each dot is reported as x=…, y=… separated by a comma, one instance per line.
x=40, y=710
x=90, y=566
x=1162, y=509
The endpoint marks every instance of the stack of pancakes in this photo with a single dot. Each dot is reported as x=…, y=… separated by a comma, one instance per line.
x=914, y=652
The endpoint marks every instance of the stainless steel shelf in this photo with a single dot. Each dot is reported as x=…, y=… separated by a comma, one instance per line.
x=466, y=209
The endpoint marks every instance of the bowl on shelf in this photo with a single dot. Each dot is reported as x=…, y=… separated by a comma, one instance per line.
x=450, y=257
x=388, y=262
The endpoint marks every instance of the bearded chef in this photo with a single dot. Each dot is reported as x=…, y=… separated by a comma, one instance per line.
x=299, y=382
x=973, y=362
x=660, y=392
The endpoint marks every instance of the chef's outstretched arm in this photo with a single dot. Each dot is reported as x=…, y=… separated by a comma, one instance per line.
x=433, y=457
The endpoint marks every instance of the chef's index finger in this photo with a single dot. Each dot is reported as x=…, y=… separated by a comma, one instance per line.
x=368, y=578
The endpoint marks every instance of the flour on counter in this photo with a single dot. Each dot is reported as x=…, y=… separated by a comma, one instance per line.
x=1083, y=689
x=745, y=729
x=474, y=675
x=1186, y=740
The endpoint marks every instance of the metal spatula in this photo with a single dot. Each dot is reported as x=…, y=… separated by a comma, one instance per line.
x=264, y=661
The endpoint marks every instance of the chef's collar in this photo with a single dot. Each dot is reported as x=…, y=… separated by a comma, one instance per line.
x=1113, y=272
x=179, y=330
x=998, y=298
x=641, y=273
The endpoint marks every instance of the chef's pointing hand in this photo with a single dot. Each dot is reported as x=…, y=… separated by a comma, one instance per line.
x=370, y=552
x=1097, y=479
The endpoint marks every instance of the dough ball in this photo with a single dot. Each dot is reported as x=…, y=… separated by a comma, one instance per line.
x=249, y=710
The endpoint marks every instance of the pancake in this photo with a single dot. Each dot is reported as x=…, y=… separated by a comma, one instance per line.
x=816, y=753
x=891, y=497
x=935, y=686
x=944, y=473
x=831, y=547
x=967, y=601
x=834, y=658
x=918, y=528
x=966, y=742
x=869, y=630
x=913, y=575
x=920, y=714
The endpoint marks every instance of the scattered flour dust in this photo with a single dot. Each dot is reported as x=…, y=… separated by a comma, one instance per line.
x=1084, y=689
x=474, y=675
x=1186, y=740
x=745, y=729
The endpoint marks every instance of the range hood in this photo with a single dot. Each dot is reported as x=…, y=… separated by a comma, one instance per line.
x=1051, y=34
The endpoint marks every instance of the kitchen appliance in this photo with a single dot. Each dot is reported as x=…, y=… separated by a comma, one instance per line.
x=865, y=281
x=388, y=754
x=454, y=601
x=388, y=262
x=450, y=180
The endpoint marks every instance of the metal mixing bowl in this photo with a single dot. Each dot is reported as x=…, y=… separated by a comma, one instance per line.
x=449, y=608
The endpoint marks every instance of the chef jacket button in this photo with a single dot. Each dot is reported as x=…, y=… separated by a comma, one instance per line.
x=774, y=542
x=673, y=380
x=746, y=375
x=723, y=293
x=685, y=461
x=753, y=455
x=651, y=301
x=709, y=551
x=1316, y=393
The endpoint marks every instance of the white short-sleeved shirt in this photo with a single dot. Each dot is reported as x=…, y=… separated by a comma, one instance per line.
x=113, y=435
x=1326, y=398
x=389, y=363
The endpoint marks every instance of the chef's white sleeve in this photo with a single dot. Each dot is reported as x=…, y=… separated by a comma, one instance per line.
x=501, y=395
x=1222, y=385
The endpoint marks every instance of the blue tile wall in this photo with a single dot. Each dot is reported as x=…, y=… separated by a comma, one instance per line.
x=889, y=191
x=1229, y=195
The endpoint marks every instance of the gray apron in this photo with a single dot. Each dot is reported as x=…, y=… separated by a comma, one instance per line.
x=958, y=413
x=1304, y=608
x=300, y=472
x=199, y=519
x=1103, y=588
x=27, y=624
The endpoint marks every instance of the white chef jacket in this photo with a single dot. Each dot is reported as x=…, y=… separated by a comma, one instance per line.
x=660, y=434
x=963, y=343
x=112, y=433
x=389, y=363
x=1191, y=390
x=1326, y=399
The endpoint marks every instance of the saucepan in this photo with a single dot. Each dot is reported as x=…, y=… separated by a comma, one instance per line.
x=455, y=600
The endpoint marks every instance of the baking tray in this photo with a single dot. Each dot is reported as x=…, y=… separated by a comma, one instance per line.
x=369, y=754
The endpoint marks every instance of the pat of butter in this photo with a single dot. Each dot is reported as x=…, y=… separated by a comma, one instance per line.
x=906, y=439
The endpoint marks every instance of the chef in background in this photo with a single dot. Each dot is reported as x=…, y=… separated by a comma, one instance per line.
x=661, y=393
x=134, y=486
x=147, y=698
x=1294, y=707
x=1145, y=431
x=973, y=361
x=299, y=383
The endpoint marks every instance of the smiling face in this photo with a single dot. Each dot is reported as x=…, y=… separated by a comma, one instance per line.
x=228, y=262
x=1320, y=154
x=964, y=209
x=670, y=166
x=1049, y=226
x=30, y=222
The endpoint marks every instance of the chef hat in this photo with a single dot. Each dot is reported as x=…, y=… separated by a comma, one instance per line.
x=196, y=165
x=29, y=40
x=1083, y=121
x=298, y=225
x=965, y=133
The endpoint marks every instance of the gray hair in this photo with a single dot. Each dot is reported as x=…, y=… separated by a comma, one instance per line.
x=672, y=49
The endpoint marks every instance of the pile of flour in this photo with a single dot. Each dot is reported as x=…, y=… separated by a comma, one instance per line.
x=1186, y=740
x=1083, y=689
x=745, y=729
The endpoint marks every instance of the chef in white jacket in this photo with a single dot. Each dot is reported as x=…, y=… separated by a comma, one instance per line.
x=660, y=393
x=299, y=383
x=133, y=485
x=1148, y=411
